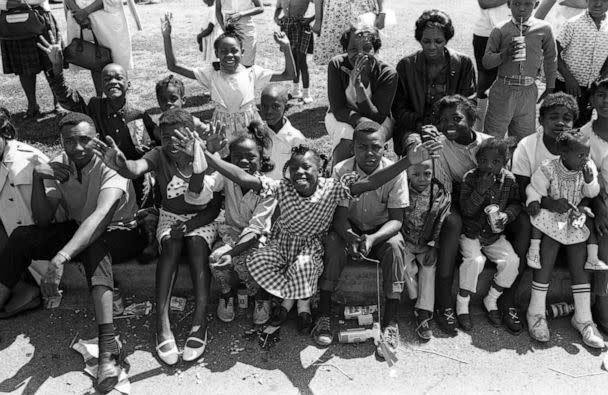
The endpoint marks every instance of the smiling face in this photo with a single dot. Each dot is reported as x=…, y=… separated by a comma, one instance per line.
x=245, y=155
x=433, y=42
x=454, y=124
x=170, y=98
x=368, y=149
x=599, y=101
x=360, y=44
x=304, y=173
x=272, y=106
x=115, y=81
x=490, y=161
x=597, y=8
x=229, y=52
x=555, y=120
x=77, y=141
x=522, y=9
x=420, y=175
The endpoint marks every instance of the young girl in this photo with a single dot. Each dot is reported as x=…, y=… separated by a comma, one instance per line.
x=290, y=265
x=185, y=222
x=232, y=86
x=248, y=217
x=239, y=13
x=209, y=33
x=571, y=177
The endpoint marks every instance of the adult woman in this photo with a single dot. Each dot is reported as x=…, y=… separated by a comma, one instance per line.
x=333, y=17
x=429, y=74
x=22, y=57
x=359, y=87
x=107, y=20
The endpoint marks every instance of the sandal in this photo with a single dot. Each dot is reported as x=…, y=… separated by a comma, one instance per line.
x=169, y=357
x=190, y=353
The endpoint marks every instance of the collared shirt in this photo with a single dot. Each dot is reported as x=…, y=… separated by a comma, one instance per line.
x=282, y=143
x=585, y=47
x=456, y=159
x=79, y=197
x=16, y=170
x=370, y=210
x=540, y=50
x=250, y=213
x=530, y=152
x=504, y=193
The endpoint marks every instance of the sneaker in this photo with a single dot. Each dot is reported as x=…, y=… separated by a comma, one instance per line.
x=495, y=318
x=307, y=99
x=538, y=327
x=278, y=316
x=510, y=318
x=261, y=312
x=446, y=320
x=225, y=308
x=391, y=339
x=533, y=259
x=595, y=265
x=423, y=329
x=464, y=320
x=591, y=336
x=304, y=323
x=322, y=331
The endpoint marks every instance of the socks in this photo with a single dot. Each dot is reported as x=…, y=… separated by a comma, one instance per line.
x=287, y=303
x=390, y=311
x=490, y=301
x=462, y=304
x=538, y=299
x=582, y=302
x=592, y=253
x=306, y=92
x=304, y=305
x=325, y=302
x=107, y=343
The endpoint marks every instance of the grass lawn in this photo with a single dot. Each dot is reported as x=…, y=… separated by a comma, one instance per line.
x=150, y=64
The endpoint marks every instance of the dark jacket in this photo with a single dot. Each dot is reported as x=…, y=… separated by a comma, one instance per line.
x=408, y=106
x=437, y=212
x=383, y=82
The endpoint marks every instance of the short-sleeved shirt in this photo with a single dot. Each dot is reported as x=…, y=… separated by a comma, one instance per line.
x=529, y=154
x=79, y=197
x=585, y=47
x=248, y=212
x=282, y=143
x=370, y=209
x=173, y=184
x=489, y=18
x=233, y=92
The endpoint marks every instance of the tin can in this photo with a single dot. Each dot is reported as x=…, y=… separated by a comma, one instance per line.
x=177, y=304
x=52, y=302
x=352, y=312
x=243, y=298
x=562, y=309
x=493, y=213
x=520, y=53
x=365, y=319
x=117, y=305
x=354, y=335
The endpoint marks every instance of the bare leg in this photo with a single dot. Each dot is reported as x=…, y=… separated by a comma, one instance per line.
x=166, y=271
x=28, y=83
x=198, y=260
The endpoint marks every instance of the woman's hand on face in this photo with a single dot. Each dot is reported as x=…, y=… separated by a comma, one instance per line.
x=52, y=49
x=165, y=24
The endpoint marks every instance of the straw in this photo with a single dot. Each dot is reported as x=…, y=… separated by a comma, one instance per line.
x=521, y=26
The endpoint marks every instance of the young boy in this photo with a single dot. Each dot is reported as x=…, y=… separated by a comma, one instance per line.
x=513, y=96
x=284, y=136
x=298, y=30
x=429, y=206
x=490, y=185
x=582, y=45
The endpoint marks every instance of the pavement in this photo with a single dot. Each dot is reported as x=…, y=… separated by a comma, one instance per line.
x=35, y=358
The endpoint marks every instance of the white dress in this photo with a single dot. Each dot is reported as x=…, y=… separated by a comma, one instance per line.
x=207, y=17
x=110, y=27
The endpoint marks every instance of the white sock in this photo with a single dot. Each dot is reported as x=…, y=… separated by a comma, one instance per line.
x=592, y=253
x=306, y=92
x=295, y=86
x=534, y=246
x=304, y=306
x=287, y=303
x=538, y=299
x=462, y=304
x=582, y=302
x=491, y=298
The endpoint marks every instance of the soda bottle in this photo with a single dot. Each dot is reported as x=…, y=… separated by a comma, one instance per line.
x=561, y=309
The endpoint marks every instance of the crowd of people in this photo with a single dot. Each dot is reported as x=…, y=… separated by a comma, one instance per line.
x=481, y=175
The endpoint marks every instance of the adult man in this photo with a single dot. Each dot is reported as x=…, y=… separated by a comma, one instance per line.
x=100, y=206
x=376, y=216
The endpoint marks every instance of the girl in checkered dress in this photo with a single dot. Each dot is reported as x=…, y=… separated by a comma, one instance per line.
x=290, y=265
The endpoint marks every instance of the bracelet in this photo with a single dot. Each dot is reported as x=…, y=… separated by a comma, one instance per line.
x=64, y=255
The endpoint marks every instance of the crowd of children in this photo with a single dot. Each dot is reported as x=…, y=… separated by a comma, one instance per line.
x=515, y=201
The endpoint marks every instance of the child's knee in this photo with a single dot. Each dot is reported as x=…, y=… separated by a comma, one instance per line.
x=197, y=243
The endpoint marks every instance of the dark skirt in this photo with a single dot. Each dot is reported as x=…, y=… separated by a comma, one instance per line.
x=23, y=57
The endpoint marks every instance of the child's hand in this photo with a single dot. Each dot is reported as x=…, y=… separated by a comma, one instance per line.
x=503, y=217
x=52, y=49
x=557, y=205
x=508, y=53
x=587, y=173
x=110, y=154
x=223, y=261
x=533, y=208
x=234, y=17
x=178, y=230
x=215, y=138
x=485, y=182
x=185, y=142
x=282, y=40
x=429, y=147
x=165, y=24
x=366, y=242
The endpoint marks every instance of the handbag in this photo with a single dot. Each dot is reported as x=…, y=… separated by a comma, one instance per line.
x=86, y=54
x=21, y=24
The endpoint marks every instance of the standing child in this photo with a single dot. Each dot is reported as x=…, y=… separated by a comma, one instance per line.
x=240, y=13
x=185, y=222
x=209, y=32
x=429, y=206
x=513, y=96
x=248, y=217
x=583, y=48
x=299, y=33
x=283, y=135
x=571, y=177
x=233, y=87
x=489, y=200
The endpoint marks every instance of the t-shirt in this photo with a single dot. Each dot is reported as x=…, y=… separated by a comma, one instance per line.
x=490, y=18
x=79, y=198
x=529, y=154
x=282, y=143
x=174, y=184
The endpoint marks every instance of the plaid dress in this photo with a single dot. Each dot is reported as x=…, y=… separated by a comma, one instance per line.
x=299, y=34
x=292, y=262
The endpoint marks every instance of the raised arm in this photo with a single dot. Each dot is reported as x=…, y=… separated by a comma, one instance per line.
x=114, y=158
x=172, y=65
x=218, y=14
x=290, y=66
x=233, y=173
x=544, y=8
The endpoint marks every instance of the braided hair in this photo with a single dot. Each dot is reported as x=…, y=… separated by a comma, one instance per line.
x=258, y=133
x=230, y=31
x=301, y=150
x=168, y=81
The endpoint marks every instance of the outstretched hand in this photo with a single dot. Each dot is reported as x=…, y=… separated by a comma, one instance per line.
x=186, y=140
x=165, y=24
x=428, y=149
x=215, y=137
x=52, y=49
x=109, y=153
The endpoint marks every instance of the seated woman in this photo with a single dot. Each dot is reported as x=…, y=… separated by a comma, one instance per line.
x=429, y=74
x=359, y=86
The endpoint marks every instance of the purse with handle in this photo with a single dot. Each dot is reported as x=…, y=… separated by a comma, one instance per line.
x=21, y=23
x=86, y=54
